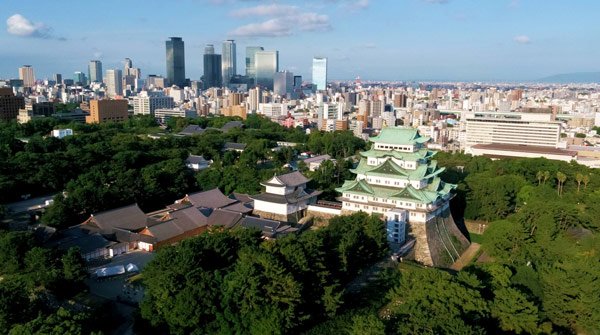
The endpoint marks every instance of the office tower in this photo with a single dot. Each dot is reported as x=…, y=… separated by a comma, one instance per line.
x=250, y=62
x=27, y=76
x=114, y=82
x=228, y=61
x=79, y=78
x=128, y=63
x=319, y=73
x=283, y=83
x=146, y=103
x=95, y=71
x=58, y=78
x=10, y=104
x=266, y=64
x=254, y=98
x=212, y=68
x=175, y=61
x=107, y=110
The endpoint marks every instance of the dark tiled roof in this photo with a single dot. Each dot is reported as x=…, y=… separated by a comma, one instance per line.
x=221, y=217
x=269, y=228
x=194, y=159
x=293, y=179
x=189, y=218
x=239, y=207
x=210, y=199
x=83, y=239
x=241, y=197
x=192, y=130
x=129, y=217
x=296, y=196
x=232, y=124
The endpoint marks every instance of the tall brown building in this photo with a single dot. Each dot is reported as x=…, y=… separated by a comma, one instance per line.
x=107, y=110
x=10, y=104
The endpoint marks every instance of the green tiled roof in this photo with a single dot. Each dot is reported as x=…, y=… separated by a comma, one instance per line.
x=400, y=136
x=406, y=156
x=409, y=193
x=391, y=169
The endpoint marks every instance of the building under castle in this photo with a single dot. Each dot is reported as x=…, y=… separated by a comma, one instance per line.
x=398, y=179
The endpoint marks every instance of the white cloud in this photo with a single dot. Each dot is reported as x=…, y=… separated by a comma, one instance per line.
x=360, y=4
x=19, y=25
x=522, y=39
x=265, y=10
x=282, y=23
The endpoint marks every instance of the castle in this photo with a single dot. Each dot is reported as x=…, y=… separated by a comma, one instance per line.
x=398, y=179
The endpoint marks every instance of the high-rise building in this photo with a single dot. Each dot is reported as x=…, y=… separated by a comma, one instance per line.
x=266, y=64
x=58, y=78
x=250, y=61
x=212, y=68
x=228, y=61
x=283, y=83
x=107, y=110
x=79, y=78
x=95, y=71
x=254, y=98
x=128, y=63
x=10, y=104
x=175, y=61
x=319, y=72
x=114, y=82
x=27, y=76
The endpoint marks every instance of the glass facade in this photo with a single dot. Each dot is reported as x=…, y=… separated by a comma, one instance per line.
x=266, y=64
x=319, y=73
x=250, y=59
x=95, y=71
x=175, y=61
x=228, y=59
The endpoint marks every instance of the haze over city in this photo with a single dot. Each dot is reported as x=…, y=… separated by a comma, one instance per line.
x=500, y=40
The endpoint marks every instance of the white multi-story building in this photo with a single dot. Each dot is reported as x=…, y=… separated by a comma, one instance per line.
x=272, y=109
x=534, y=129
x=164, y=114
x=146, y=103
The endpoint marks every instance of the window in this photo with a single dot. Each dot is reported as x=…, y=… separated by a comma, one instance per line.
x=396, y=218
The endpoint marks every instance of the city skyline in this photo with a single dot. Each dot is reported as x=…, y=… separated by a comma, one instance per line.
x=405, y=40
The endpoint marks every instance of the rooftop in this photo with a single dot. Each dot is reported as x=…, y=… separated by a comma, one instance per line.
x=400, y=136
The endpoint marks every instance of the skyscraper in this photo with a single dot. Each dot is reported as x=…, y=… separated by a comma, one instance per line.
x=114, y=82
x=212, y=68
x=266, y=64
x=283, y=83
x=79, y=78
x=95, y=71
x=27, y=76
x=175, y=61
x=319, y=72
x=250, y=65
x=58, y=78
x=228, y=61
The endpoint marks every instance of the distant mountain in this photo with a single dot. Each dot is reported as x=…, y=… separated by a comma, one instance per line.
x=577, y=77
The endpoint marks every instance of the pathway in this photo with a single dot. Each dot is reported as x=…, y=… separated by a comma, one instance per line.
x=466, y=257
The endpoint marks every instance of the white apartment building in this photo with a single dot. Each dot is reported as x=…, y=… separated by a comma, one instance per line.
x=532, y=129
x=164, y=114
x=147, y=104
x=272, y=109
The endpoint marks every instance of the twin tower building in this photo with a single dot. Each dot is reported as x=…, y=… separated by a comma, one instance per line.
x=262, y=66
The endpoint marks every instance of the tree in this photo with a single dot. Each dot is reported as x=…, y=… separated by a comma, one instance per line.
x=578, y=179
x=585, y=179
x=561, y=178
x=514, y=311
x=540, y=176
x=546, y=176
x=368, y=324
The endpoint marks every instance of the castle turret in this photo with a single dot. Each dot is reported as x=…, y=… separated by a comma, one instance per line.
x=398, y=179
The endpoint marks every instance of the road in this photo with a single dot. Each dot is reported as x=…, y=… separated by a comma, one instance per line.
x=466, y=257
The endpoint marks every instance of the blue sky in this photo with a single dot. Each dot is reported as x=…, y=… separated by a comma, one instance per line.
x=471, y=40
